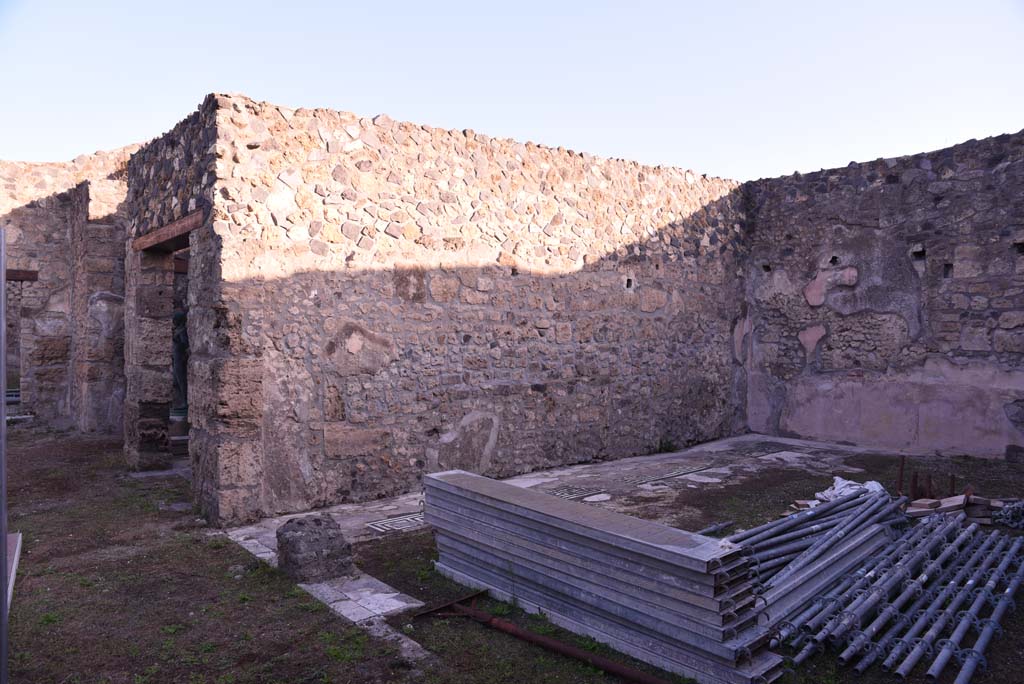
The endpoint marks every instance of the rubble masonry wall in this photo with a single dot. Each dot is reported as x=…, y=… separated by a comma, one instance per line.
x=887, y=301
x=169, y=177
x=403, y=299
x=43, y=208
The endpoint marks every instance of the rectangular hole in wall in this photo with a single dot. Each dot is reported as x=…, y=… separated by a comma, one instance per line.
x=947, y=270
x=1019, y=248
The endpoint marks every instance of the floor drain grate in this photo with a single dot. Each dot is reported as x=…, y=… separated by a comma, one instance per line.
x=398, y=524
x=572, y=492
x=644, y=479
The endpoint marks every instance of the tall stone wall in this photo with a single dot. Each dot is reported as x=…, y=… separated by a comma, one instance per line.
x=398, y=299
x=169, y=177
x=886, y=301
x=97, y=306
x=39, y=204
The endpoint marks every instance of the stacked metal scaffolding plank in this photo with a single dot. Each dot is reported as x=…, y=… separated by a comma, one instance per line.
x=671, y=598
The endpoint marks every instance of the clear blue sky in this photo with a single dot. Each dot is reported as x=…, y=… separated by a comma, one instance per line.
x=737, y=89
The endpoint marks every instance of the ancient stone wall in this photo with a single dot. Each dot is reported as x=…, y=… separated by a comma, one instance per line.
x=97, y=306
x=39, y=204
x=168, y=178
x=398, y=299
x=886, y=301
x=370, y=300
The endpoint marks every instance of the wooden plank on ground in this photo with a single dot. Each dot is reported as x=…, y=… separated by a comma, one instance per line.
x=171, y=237
x=952, y=503
x=926, y=503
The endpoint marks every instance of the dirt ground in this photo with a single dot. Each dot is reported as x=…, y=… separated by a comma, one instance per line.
x=119, y=582
x=114, y=587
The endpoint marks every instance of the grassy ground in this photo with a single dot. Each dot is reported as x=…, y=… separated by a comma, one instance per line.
x=115, y=586
x=473, y=653
x=111, y=588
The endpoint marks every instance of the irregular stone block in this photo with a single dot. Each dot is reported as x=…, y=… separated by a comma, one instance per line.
x=313, y=549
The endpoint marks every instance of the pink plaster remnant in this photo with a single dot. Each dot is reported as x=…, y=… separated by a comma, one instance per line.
x=809, y=337
x=814, y=293
x=940, y=405
x=845, y=276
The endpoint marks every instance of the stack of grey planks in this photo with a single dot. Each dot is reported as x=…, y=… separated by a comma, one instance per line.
x=674, y=599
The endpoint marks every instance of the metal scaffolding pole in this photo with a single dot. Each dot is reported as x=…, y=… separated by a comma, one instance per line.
x=5, y=603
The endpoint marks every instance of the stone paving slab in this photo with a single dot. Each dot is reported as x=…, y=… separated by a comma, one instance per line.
x=723, y=462
x=361, y=597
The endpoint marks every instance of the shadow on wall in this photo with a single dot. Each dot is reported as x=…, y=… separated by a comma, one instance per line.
x=347, y=384
x=69, y=321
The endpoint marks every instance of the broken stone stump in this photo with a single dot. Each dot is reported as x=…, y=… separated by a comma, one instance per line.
x=313, y=549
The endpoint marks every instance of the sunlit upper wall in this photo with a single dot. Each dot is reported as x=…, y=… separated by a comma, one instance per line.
x=308, y=190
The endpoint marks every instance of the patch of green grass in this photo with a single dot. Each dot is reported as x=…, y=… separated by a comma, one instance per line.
x=146, y=676
x=346, y=648
x=501, y=609
x=49, y=619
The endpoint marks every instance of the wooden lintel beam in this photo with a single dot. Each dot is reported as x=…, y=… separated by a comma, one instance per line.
x=18, y=275
x=173, y=236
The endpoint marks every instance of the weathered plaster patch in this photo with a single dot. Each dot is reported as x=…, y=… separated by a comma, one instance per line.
x=470, y=446
x=938, y=405
x=356, y=350
x=740, y=335
x=809, y=338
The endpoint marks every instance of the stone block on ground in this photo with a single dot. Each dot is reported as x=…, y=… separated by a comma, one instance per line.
x=313, y=549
